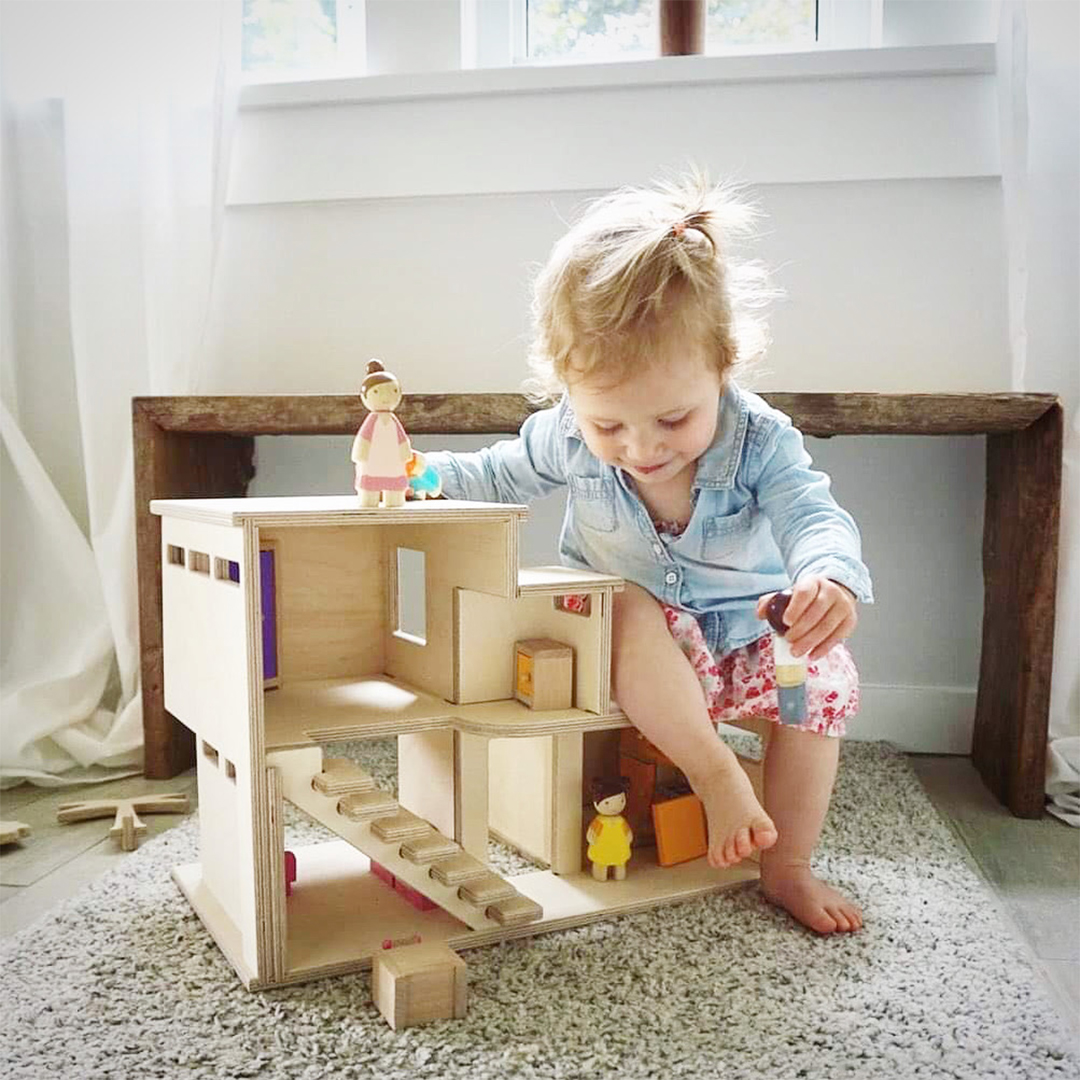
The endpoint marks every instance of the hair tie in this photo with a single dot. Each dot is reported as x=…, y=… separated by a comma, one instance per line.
x=678, y=229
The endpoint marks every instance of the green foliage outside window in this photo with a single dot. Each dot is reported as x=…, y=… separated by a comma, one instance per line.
x=583, y=29
x=289, y=34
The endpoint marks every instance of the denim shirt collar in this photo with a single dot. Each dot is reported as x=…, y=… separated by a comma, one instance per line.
x=717, y=467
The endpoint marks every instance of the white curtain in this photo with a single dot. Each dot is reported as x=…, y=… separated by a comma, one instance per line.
x=117, y=118
x=1033, y=171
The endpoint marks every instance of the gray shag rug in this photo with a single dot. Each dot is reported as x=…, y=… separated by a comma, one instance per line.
x=123, y=981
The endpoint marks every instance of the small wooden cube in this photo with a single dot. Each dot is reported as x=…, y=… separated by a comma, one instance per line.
x=681, y=834
x=544, y=673
x=415, y=984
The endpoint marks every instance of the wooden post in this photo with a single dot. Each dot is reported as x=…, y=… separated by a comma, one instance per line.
x=1020, y=546
x=682, y=27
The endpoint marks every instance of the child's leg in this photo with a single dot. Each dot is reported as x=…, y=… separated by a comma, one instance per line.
x=658, y=690
x=800, y=767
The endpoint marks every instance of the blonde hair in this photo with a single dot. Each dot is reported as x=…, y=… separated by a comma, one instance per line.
x=641, y=270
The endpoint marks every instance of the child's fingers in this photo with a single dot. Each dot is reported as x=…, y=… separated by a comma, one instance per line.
x=763, y=605
x=841, y=633
x=810, y=639
x=805, y=622
x=803, y=594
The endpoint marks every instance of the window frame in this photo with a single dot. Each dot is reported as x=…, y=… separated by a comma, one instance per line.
x=493, y=35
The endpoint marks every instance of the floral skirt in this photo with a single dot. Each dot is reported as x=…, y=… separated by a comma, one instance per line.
x=743, y=684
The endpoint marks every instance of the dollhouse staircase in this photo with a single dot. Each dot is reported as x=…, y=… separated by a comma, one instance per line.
x=402, y=841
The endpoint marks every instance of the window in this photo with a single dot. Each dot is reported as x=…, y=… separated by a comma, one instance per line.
x=227, y=570
x=302, y=38
x=317, y=39
x=410, y=616
x=593, y=30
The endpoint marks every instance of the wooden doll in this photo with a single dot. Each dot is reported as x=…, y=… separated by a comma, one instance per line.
x=790, y=669
x=609, y=834
x=381, y=449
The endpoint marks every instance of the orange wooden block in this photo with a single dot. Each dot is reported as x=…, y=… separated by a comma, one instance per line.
x=680, y=830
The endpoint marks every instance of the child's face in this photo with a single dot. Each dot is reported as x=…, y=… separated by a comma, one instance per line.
x=654, y=424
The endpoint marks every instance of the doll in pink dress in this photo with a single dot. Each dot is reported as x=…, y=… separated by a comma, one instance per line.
x=381, y=449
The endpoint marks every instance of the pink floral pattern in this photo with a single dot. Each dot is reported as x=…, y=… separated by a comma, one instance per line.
x=743, y=683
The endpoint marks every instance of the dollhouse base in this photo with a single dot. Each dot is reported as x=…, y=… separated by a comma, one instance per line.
x=340, y=912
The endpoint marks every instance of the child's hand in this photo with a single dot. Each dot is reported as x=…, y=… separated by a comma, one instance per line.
x=820, y=615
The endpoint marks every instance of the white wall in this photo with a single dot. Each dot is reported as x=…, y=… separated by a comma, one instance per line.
x=885, y=223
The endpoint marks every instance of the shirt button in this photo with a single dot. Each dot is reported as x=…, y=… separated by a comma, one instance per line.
x=658, y=549
x=671, y=577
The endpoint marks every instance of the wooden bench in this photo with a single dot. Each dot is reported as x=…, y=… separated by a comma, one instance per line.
x=200, y=447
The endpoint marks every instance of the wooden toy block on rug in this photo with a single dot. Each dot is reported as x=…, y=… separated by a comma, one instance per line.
x=414, y=984
x=127, y=828
x=12, y=832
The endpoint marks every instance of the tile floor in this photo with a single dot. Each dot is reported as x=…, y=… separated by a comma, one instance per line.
x=1033, y=867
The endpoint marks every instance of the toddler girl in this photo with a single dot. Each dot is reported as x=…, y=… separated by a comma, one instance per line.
x=702, y=497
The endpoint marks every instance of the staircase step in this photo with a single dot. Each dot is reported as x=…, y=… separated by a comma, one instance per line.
x=457, y=869
x=486, y=889
x=515, y=911
x=364, y=805
x=404, y=825
x=341, y=776
x=428, y=849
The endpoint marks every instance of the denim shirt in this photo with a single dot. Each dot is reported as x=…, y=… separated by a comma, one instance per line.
x=762, y=516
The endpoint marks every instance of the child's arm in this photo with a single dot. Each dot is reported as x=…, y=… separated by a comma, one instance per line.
x=512, y=470
x=820, y=544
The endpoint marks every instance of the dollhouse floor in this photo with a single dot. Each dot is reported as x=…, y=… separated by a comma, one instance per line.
x=339, y=913
x=305, y=712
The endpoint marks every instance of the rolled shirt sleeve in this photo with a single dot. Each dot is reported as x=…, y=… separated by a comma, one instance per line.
x=814, y=533
x=510, y=471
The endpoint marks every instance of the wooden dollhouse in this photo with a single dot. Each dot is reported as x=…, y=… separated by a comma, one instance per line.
x=291, y=624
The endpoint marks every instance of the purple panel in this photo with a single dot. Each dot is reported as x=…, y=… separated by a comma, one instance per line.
x=234, y=571
x=269, y=614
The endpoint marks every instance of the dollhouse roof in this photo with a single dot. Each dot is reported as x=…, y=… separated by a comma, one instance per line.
x=332, y=510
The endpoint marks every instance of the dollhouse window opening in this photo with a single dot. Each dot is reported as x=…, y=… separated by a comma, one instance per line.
x=410, y=596
x=199, y=561
x=209, y=752
x=574, y=604
x=230, y=770
x=175, y=555
x=227, y=570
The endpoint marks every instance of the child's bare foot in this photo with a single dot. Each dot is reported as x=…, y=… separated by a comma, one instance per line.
x=737, y=824
x=808, y=899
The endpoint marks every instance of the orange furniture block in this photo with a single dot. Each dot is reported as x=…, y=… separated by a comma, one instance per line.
x=681, y=834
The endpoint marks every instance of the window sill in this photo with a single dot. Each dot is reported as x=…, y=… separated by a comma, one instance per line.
x=855, y=115
x=908, y=61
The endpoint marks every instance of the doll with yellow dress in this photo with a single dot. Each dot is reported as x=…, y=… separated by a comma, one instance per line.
x=609, y=834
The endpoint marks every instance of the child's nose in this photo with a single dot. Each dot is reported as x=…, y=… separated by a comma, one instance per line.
x=642, y=446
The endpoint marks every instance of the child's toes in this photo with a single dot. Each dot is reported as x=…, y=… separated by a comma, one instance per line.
x=839, y=919
x=764, y=834
x=743, y=844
